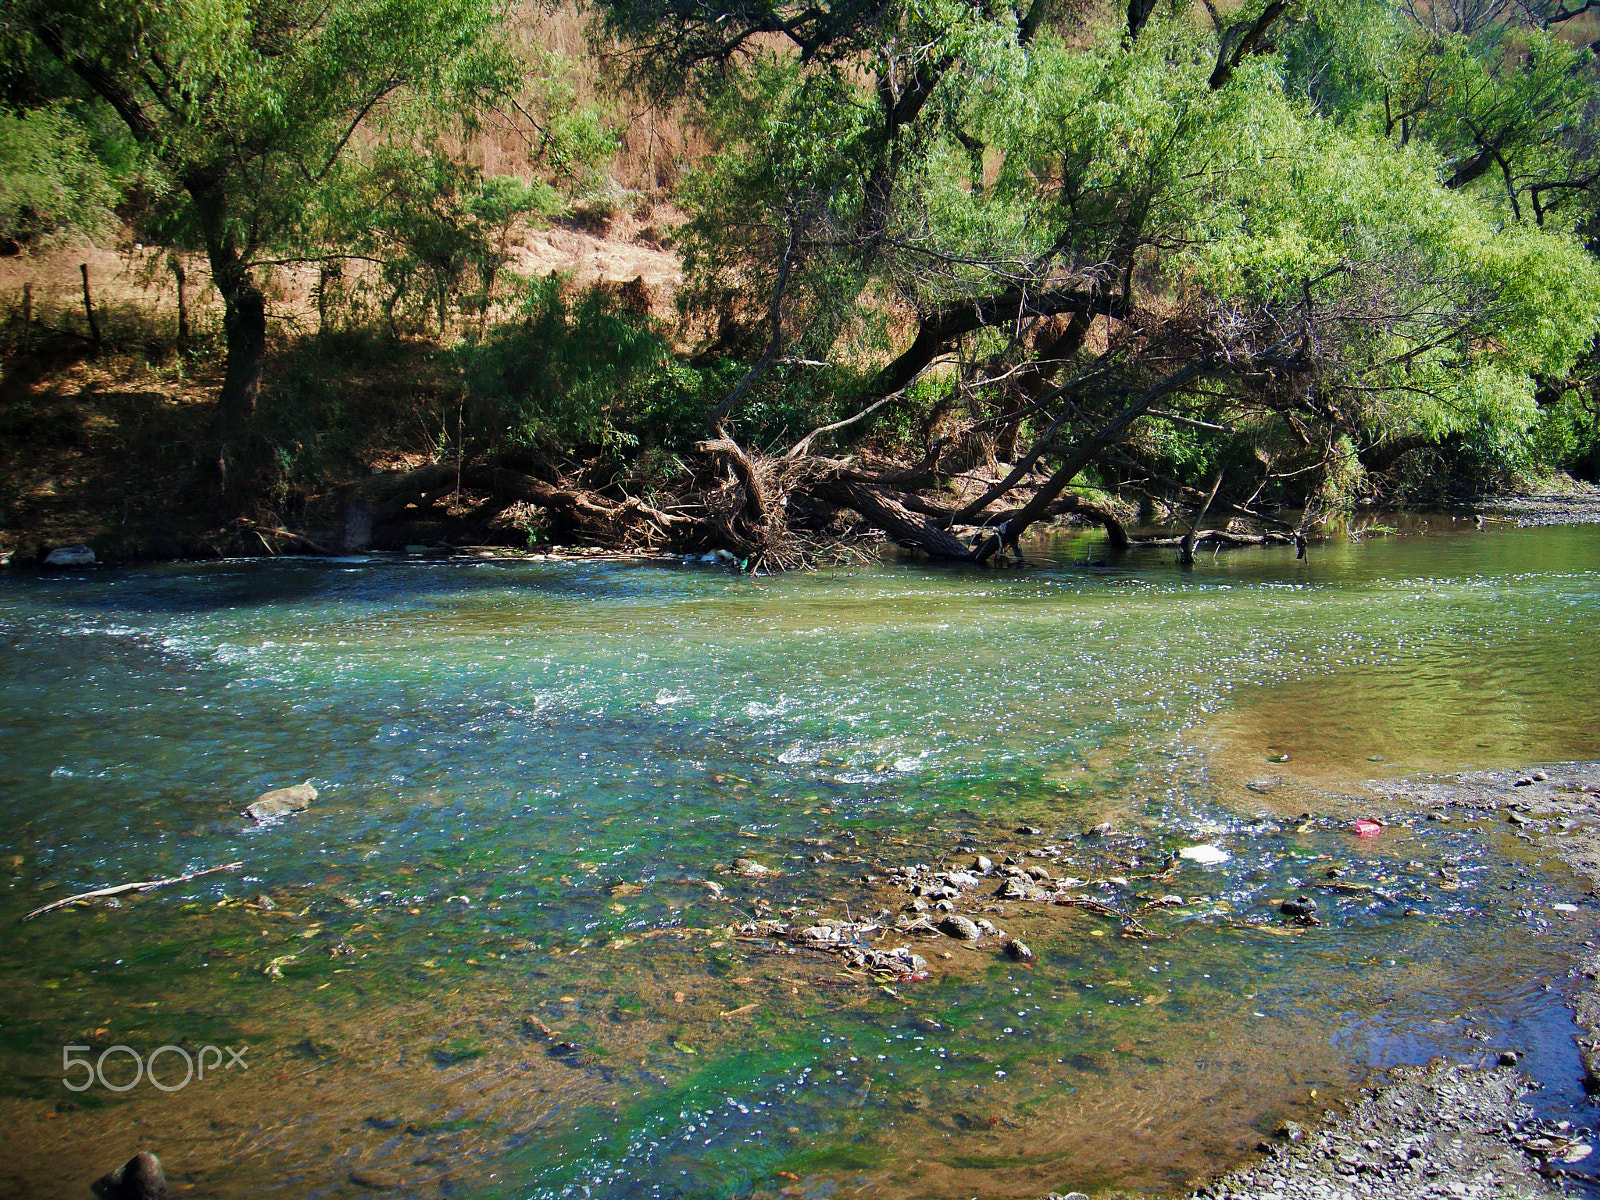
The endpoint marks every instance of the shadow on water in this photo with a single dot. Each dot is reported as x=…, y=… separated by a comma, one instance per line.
x=491, y=964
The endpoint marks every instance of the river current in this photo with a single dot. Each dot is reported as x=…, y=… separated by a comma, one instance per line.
x=486, y=961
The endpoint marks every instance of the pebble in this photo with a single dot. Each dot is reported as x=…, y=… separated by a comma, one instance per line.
x=1430, y=1134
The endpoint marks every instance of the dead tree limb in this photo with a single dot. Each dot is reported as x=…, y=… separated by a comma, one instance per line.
x=144, y=886
x=1186, y=546
x=1086, y=452
x=803, y=446
x=900, y=523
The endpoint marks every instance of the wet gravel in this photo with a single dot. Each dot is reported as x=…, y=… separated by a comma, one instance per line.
x=1578, y=506
x=1440, y=1131
x=1448, y=1130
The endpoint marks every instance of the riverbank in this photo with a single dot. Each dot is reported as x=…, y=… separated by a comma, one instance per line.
x=1450, y=1130
x=1578, y=504
x=1439, y=1131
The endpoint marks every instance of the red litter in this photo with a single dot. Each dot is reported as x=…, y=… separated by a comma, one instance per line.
x=1367, y=827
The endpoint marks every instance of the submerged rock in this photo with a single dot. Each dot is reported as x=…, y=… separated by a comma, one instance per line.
x=140, y=1178
x=959, y=927
x=282, y=801
x=749, y=866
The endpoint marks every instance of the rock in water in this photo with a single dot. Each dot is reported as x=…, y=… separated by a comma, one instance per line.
x=1019, y=951
x=1018, y=888
x=70, y=556
x=959, y=927
x=1300, y=906
x=1205, y=855
x=282, y=802
x=140, y=1178
x=749, y=866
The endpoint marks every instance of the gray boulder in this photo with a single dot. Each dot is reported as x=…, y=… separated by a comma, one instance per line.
x=281, y=802
x=70, y=556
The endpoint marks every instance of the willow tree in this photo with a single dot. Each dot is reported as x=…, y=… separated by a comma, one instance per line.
x=1107, y=243
x=247, y=109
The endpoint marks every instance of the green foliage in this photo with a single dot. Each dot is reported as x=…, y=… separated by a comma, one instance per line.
x=559, y=375
x=50, y=181
x=245, y=113
x=439, y=227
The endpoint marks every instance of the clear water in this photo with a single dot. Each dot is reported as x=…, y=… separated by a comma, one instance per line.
x=527, y=771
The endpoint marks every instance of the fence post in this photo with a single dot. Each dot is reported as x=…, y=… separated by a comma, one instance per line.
x=88, y=307
x=183, y=303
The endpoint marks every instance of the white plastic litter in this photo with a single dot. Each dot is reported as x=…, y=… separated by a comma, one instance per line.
x=1205, y=855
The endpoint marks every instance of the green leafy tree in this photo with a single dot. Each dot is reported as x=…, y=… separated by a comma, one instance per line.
x=1092, y=228
x=250, y=109
x=51, y=182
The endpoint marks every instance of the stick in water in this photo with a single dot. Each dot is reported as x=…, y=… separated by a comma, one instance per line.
x=132, y=887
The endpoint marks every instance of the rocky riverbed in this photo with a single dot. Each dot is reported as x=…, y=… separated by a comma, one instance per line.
x=1440, y=1131
x=1448, y=1130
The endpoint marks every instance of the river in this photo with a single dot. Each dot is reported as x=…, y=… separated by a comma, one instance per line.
x=487, y=963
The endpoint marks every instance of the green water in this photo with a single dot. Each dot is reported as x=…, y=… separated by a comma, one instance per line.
x=494, y=969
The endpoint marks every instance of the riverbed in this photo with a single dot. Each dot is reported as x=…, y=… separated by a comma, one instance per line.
x=487, y=961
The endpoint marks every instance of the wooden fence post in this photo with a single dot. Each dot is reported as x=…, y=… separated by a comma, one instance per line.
x=88, y=307
x=183, y=303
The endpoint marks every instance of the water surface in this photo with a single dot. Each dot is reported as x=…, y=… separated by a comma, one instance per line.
x=493, y=968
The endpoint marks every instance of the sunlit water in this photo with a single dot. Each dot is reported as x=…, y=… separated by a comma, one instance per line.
x=494, y=968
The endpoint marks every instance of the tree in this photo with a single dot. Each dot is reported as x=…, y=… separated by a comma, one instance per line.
x=248, y=108
x=1147, y=243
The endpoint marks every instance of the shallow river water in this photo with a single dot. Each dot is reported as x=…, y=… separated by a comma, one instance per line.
x=490, y=966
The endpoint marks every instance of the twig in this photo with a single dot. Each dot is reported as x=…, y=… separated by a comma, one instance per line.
x=145, y=886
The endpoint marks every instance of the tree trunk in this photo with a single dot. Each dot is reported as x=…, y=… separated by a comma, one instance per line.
x=244, y=325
